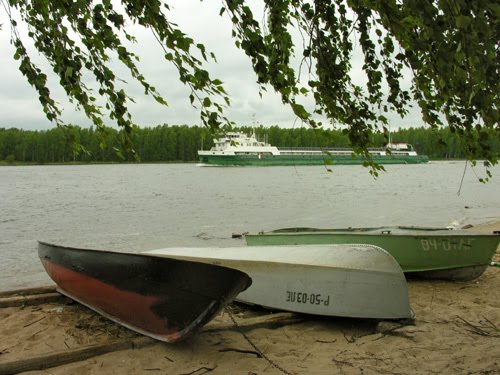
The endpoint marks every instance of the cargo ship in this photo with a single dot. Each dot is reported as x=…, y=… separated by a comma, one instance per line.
x=239, y=149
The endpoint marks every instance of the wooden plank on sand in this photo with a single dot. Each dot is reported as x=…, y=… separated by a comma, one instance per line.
x=28, y=291
x=73, y=355
x=277, y=319
x=30, y=300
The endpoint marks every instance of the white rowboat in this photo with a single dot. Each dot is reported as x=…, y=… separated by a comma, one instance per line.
x=359, y=281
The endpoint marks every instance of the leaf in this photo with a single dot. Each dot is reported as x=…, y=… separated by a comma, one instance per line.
x=300, y=111
x=69, y=72
x=463, y=22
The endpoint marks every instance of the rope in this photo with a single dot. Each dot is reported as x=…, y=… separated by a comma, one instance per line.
x=269, y=360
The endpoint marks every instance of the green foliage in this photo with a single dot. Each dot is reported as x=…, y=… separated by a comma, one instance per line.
x=10, y=159
x=449, y=48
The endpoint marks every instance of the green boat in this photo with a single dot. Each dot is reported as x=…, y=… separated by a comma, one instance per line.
x=436, y=253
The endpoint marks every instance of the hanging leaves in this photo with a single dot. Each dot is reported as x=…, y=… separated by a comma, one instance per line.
x=450, y=48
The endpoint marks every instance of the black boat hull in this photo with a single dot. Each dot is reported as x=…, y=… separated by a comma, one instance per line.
x=167, y=299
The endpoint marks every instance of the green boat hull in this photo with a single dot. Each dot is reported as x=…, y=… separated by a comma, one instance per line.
x=284, y=160
x=428, y=253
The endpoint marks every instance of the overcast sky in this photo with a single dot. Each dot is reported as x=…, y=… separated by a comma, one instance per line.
x=19, y=106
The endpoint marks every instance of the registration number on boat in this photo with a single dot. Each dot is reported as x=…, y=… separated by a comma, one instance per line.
x=430, y=244
x=311, y=298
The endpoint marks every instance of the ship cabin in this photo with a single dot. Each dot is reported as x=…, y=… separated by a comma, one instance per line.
x=237, y=139
x=399, y=146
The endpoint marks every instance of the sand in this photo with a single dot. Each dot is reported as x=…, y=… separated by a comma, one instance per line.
x=456, y=331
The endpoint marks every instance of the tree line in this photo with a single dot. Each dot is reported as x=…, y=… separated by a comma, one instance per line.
x=180, y=143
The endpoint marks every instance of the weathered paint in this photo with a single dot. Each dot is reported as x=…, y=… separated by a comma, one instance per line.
x=361, y=281
x=167, y=299
x=423, y=252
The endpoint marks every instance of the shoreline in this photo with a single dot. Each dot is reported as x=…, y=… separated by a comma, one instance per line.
x=4, y=163
x=29, y=164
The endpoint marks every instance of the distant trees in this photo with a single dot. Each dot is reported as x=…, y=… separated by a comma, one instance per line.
x=159, y=144
x=165, y=143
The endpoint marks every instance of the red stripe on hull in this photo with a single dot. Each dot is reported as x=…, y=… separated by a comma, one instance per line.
x=130, y=309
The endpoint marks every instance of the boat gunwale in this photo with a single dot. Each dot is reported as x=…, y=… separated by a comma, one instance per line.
x=399, y=231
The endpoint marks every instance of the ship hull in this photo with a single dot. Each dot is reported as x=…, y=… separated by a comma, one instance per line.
x=295, y=160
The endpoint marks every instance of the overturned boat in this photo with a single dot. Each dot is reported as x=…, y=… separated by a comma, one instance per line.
x=360, y=281
x=164, y=298
x=438, y=253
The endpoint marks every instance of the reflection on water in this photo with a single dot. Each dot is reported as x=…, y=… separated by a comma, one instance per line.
x=141, y=207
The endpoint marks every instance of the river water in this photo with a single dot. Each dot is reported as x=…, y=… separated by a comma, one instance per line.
x=141, y=207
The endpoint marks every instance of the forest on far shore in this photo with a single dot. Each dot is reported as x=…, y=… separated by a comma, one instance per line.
x=180, y=143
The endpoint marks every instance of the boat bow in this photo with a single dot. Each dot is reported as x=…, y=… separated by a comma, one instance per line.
x=167, y=299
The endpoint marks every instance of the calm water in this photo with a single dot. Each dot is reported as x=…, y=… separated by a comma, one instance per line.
x=140, y=207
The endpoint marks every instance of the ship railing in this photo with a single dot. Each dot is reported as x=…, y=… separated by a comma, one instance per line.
x=314, y=148
x=327, y=149
x=330, y=149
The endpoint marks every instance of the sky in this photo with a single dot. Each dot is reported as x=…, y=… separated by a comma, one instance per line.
x=20, y=108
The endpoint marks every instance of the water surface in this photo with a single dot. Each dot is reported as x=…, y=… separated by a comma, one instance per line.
x=142, y=207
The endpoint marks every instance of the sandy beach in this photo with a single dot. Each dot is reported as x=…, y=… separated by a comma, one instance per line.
x=456, y=331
